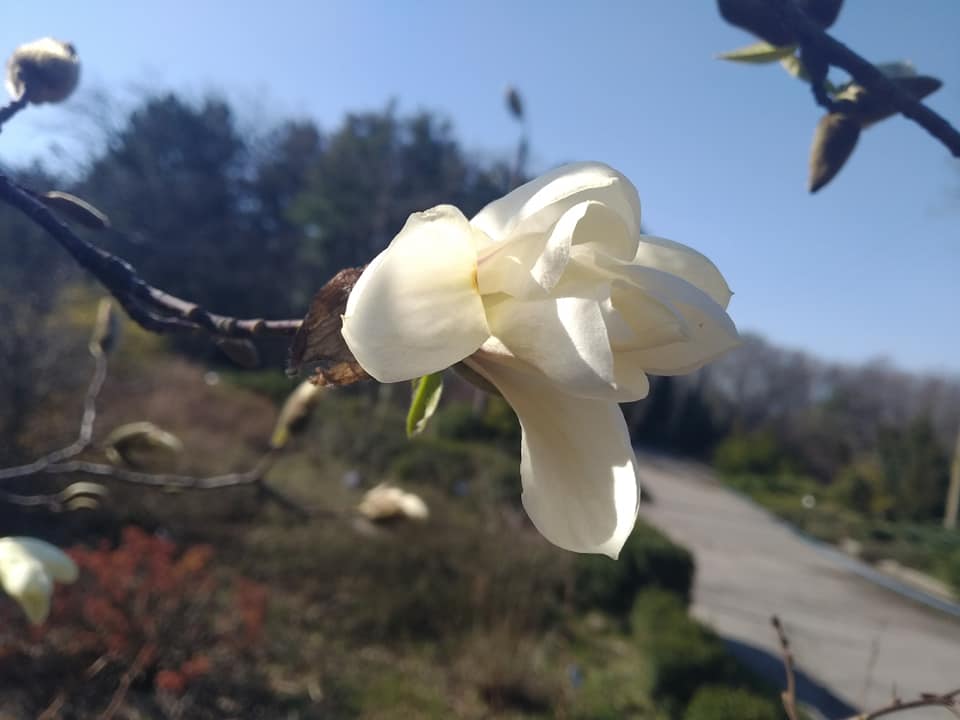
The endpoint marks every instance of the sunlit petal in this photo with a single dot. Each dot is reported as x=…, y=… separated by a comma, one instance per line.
x=564, y=338
x=416, y=308
x=707, y=330
x=580, y=484
x=60, y=566
x=537, y=205
x=684, y=262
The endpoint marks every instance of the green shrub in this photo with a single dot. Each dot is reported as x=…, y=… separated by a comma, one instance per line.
x=684, y=655
x=649, y=559
x=479, y=470
x=270, y=383
x=716, y=702
x=751, y=453
x=357, y=429
x=860, y=487
x=496, y=423
x=435, y=462
x=951, y=572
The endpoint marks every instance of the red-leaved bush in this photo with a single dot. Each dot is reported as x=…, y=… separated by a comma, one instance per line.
x=142, y=614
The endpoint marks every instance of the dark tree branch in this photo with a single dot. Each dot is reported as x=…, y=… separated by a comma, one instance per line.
x=819, y=44
x=151, y=308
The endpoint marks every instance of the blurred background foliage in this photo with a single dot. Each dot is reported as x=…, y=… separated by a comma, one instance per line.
x=468, y=615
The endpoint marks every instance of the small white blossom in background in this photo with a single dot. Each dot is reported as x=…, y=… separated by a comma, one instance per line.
x=28, y=569
x=386, y=502
x=43, y=71
x=295, y=413
x=554, y=296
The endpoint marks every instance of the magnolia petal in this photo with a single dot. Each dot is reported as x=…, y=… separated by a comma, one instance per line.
x=531, y=265
x=684, y=262
x=707, y=329
x=641, y=321
x=602, y=229
x=706, y=333
x=580, y=486
x=58, y=564
x=416, y=308
x=536, y=206
x=27, y=582
x=647, y=320
x=564, y=338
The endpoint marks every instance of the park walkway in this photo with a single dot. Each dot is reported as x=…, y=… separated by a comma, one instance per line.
x=854, y=641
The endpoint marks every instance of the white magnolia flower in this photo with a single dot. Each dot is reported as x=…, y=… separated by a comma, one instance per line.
x=28, y=568
x=553, y=295
x=386, y=502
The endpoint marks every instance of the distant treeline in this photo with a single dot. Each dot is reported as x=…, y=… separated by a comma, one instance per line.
x=253, y=224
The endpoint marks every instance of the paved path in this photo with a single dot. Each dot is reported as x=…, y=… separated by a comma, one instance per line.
x=854, y=641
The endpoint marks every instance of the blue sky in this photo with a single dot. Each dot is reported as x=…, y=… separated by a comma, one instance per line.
x=869, y=267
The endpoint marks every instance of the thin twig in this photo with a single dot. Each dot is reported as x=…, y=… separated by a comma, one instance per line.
x=84, y=436
x=788, y=696
x=818, y=43
x=63, y=462
x=151, y=308
x=948, y=701
x=141, y=661
x=255, y=476
x=52, y=711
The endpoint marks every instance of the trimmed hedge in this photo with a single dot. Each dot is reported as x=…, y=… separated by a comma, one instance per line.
x=716, y=702
x=648, y=560
x=685, y=655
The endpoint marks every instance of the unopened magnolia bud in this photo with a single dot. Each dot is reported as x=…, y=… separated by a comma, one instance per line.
x=385, y=502
x=514, y=102
x=43, y=71
x=243, y=352
x=141, y=445
x=295, y=413
x=833, y=142
x=106, y=330
x=83, y=496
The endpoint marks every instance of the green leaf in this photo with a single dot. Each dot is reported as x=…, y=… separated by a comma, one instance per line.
x=758, y=53
x=426, y=397
x=793, y=65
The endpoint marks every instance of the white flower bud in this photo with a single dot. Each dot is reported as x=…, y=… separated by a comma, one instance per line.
x=385, y=502
x=43, y=71
x=28, y=568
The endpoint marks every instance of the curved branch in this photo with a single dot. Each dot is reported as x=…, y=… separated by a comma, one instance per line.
x=151, y=308
x=820, y=44
x=83, y=439
x=63, y=462
x=947, y=701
